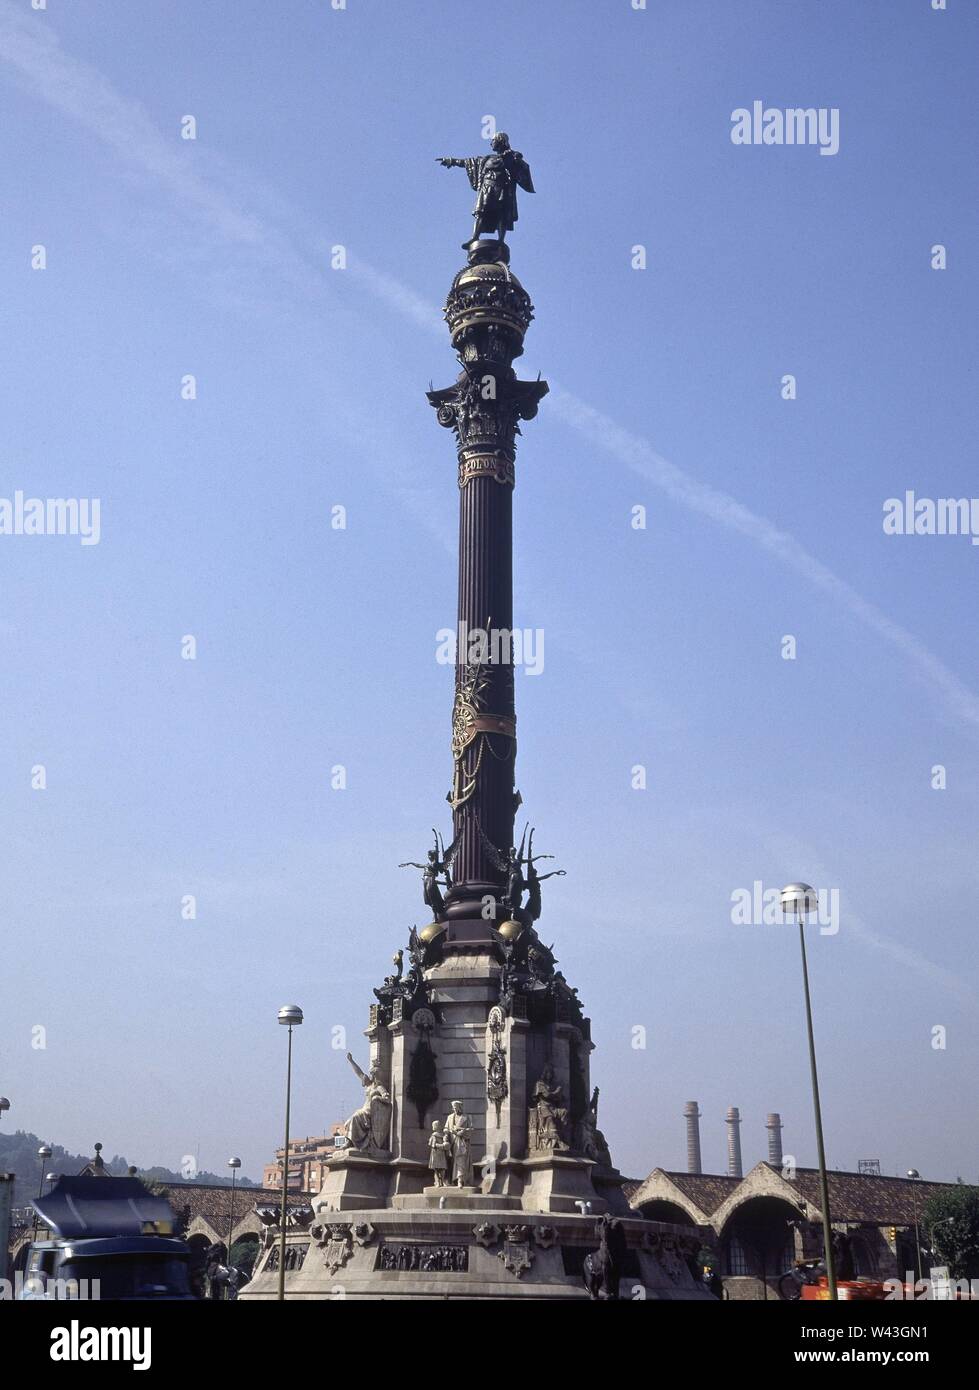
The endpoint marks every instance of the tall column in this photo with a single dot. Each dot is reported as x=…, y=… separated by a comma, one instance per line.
x=734, y=1143
x=774, y=1126
x=484, y=717
x=488, y=312
x=692, y=1113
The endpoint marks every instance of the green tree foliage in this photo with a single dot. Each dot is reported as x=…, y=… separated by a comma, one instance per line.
x=950, y=1222
x=18, y=1155
x=244, y=1252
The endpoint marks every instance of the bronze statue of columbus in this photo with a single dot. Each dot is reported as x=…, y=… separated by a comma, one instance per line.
x=494, y=178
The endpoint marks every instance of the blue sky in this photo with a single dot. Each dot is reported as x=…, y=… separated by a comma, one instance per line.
x=316, y=647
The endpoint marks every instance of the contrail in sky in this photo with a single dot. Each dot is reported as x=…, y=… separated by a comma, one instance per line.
x=225, y=200
x=81, y=91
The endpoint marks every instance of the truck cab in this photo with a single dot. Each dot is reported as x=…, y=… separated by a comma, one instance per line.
x=109, y=1238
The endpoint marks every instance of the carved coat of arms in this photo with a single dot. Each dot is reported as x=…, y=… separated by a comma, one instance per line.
x=336, y=1247
x=516, y=1253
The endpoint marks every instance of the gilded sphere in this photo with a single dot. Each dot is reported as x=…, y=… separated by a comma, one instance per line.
x=430, y=932
x=510, y=929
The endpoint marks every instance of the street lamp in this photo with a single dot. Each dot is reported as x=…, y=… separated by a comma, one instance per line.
x=915, y=1176
x=290, y=1016
x=42, y=1153
x=802, y=899
x=4, y=1105
x=234, y=1164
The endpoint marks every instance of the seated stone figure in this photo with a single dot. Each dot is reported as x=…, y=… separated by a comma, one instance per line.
x=369, y=1128
x=591, y=1141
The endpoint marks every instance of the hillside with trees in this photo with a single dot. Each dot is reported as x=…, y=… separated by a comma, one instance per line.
x=18, y=1155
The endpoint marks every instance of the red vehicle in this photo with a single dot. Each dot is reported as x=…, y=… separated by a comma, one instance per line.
x=808, y=1282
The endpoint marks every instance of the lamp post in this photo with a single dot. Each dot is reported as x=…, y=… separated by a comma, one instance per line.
x=234, y=1164
x=4, y=1105
x=915, y=1177
x=801, y=899
x=290, y=1016
x=42, y=1153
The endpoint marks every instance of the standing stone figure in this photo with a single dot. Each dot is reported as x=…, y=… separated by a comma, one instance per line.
x=368, y=1128
x=438, y=1155
x=458, y=1133
x=550, y=1113
x=495, y=178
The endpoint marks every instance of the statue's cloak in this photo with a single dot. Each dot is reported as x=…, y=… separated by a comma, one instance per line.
x=495, y=178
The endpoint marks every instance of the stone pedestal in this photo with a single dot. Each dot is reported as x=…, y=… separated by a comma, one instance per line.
x=467, y=1253
x=381, y=1226
x=353, y=1181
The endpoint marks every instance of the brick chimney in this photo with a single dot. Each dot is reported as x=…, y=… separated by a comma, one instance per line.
x=774, y=1126
x=734, y=1143
x=691, y=1113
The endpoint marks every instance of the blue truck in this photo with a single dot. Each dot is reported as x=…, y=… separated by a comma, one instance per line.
x=109, y=1238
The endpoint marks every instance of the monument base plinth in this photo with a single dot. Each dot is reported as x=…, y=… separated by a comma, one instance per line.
x=477, y=1254
x=352, y=1181
x=556, y=1182
x=454, y=1199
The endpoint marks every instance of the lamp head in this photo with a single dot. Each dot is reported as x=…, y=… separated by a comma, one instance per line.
x=799, y=899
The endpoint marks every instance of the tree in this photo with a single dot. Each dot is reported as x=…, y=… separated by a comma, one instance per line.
x=245, y=1252
x=18, y=1155
x=951, y=1221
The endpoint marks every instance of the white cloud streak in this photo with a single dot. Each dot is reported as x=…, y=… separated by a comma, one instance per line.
x=224, y=200
x=726, y=511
